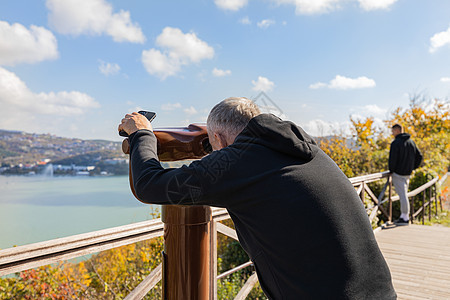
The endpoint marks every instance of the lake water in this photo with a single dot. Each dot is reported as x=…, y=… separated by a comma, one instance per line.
x=34, y=209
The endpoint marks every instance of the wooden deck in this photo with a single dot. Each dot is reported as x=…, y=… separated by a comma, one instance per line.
x=419, y=259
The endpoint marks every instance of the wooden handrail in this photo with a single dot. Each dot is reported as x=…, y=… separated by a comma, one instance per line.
x=369, y=177
x=29, y=256
x=34, y=255
x=247, y=288
x=231, y=271
x=416, y=191
x=227, y=231
x=444, y=178
x=146, y=285
x=43, y=253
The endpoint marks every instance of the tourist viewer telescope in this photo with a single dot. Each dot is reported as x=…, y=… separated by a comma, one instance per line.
x=187, y=259
x=179, y=143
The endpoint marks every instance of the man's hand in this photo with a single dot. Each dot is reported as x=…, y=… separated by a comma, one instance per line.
x=134, y=122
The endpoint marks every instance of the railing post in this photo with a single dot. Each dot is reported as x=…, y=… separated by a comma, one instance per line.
x=187, y=251
x=430, y=203
x=435, y=200
x=362, y=191
x=411, y=205
x=213, y=265
x=390, y=198
x=423, y=208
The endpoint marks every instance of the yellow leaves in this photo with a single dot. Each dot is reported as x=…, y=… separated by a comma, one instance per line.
x=364, y=131
x=144, y=257
x=107, y=275
x=368, y=150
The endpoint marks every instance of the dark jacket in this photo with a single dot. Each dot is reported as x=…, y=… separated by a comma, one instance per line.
x=296, y=214
x=404, y=155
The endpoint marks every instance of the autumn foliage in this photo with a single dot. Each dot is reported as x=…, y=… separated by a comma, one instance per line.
x=113, y=274
x=367, y=151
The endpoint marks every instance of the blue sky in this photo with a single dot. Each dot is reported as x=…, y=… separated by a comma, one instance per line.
x=73, y=68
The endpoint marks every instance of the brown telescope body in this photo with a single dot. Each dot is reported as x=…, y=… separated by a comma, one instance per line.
x=187, y=231
x=178, y=143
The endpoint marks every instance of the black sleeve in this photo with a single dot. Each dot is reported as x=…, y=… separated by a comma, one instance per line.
x=393, y=157
x=418, y=157
x=156, y=185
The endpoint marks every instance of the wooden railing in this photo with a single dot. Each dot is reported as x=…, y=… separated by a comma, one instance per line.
x=25, y=257
x=420, y=193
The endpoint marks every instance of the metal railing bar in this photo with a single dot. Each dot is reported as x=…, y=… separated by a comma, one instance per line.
x=231, y=271
x=146, y=285
x=247, y=288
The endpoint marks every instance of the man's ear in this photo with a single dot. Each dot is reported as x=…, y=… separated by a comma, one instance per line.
x=220, y=138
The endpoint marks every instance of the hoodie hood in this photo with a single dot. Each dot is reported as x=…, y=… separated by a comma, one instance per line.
x=282, y=136
x=403, y=136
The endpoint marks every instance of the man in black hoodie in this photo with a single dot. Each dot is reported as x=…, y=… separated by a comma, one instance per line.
x=296, y=214
x=404, y=157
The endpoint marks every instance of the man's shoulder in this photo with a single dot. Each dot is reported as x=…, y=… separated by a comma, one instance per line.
x=396, y=142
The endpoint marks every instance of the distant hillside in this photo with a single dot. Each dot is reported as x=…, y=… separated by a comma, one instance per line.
x=18, y=147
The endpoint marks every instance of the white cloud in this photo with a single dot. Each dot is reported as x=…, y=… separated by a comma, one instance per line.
x=439, y=40
x=318, y=85
x=320, y=127
x=265, y=23
x=23, y=109
x=220, y=73
x=171, y=106
x=373, y=109
x=94, y=17
x=233, y=5
x=375, y=4
x=21, y=45
x=310, y=7
x=159, y=64
x=15, y=94
x=445, y=79
x=345, y=83
x=108, y=68
x=263, y=84
x=245, y=21
x=186, y=47
x=179, y=49
x=190, y=110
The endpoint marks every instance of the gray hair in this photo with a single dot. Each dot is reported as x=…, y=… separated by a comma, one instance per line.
x=231, y=115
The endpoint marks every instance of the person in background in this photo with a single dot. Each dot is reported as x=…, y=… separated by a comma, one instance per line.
x=296, y=214
x=404, y=157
